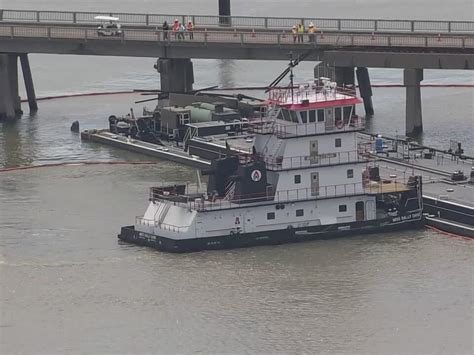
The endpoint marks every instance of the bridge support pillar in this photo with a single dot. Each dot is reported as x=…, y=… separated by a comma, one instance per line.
x=176, y=75
x=414, y=122
x=10, y=102
x=344, y=76
x=28, y=78
x=224, y=12
x=365, y=89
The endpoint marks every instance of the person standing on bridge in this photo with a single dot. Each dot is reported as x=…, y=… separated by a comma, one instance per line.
x=166, y=29
x=181, y=31
x=300, y=33
x=294, y=31
x=175, y=28
x=311, y=32
x=190, y=29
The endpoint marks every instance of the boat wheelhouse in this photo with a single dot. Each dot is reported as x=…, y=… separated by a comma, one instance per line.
x=307, y=178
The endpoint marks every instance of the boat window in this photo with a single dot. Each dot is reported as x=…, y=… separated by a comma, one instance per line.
x=338, y=113
x=271, y=215
x=338, y=142
x=347, y=112
x=286, y=115
x=342, y=208
x=320, y=115
x=350, y=173
x=299, y=213
x=304, y=116
x=297, y=179
x=294, y=117
x=312, y=116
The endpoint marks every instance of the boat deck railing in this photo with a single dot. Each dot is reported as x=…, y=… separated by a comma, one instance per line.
x=275, y=162
x=312, y=92
x=139, y=220
x=195, y=199
x=283, y=130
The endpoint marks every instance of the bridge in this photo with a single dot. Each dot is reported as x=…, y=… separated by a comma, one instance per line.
x=342, y=44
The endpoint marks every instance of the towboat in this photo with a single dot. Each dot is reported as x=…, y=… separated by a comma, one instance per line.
x=306, y=178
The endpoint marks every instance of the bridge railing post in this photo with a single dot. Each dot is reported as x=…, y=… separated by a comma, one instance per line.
x=339, y=24
x=241, y=38
x=12, y=33
x=37, y=16
x=74, y=17
x=449, y=26
x=1, y=14
x=266, y=22
x=147, y=19
x=375, y=25
x=279, y=39
x=49, y=32
x=412, y=26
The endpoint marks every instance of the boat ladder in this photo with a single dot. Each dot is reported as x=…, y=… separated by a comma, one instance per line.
x=162, y=213
x=230, y=190
x=190, y=134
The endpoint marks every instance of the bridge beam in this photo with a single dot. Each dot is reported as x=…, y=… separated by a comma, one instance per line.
x=176, y=75
x=10, y=102
x=28, y=79
x=365, y=89
x=414, y=123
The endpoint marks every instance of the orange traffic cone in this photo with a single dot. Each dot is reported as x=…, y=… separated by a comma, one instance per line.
x=253, y=32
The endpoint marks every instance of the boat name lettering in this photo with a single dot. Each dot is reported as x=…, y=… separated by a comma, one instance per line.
x=407, y=217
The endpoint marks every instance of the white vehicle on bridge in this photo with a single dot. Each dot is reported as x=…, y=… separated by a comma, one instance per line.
x=109, y=26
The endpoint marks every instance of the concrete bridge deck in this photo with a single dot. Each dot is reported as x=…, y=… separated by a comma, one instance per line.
x=393, y=50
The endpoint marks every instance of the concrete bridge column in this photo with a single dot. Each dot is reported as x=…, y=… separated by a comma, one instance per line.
x=28, y=78
x=365, y=90
x=344, y=76
x=176, y=75
x=414, y=122
x=224, y=12
x=10, y=102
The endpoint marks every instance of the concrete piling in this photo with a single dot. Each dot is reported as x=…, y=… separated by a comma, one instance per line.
x=413, y=116
x=10, y=102
x=176, y=75
x=365, y=90
x=28, y=78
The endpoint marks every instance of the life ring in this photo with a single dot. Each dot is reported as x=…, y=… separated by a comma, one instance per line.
x=340, y=124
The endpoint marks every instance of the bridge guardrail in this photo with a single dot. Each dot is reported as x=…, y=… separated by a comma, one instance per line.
x=234, y=37
x=281, y=23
